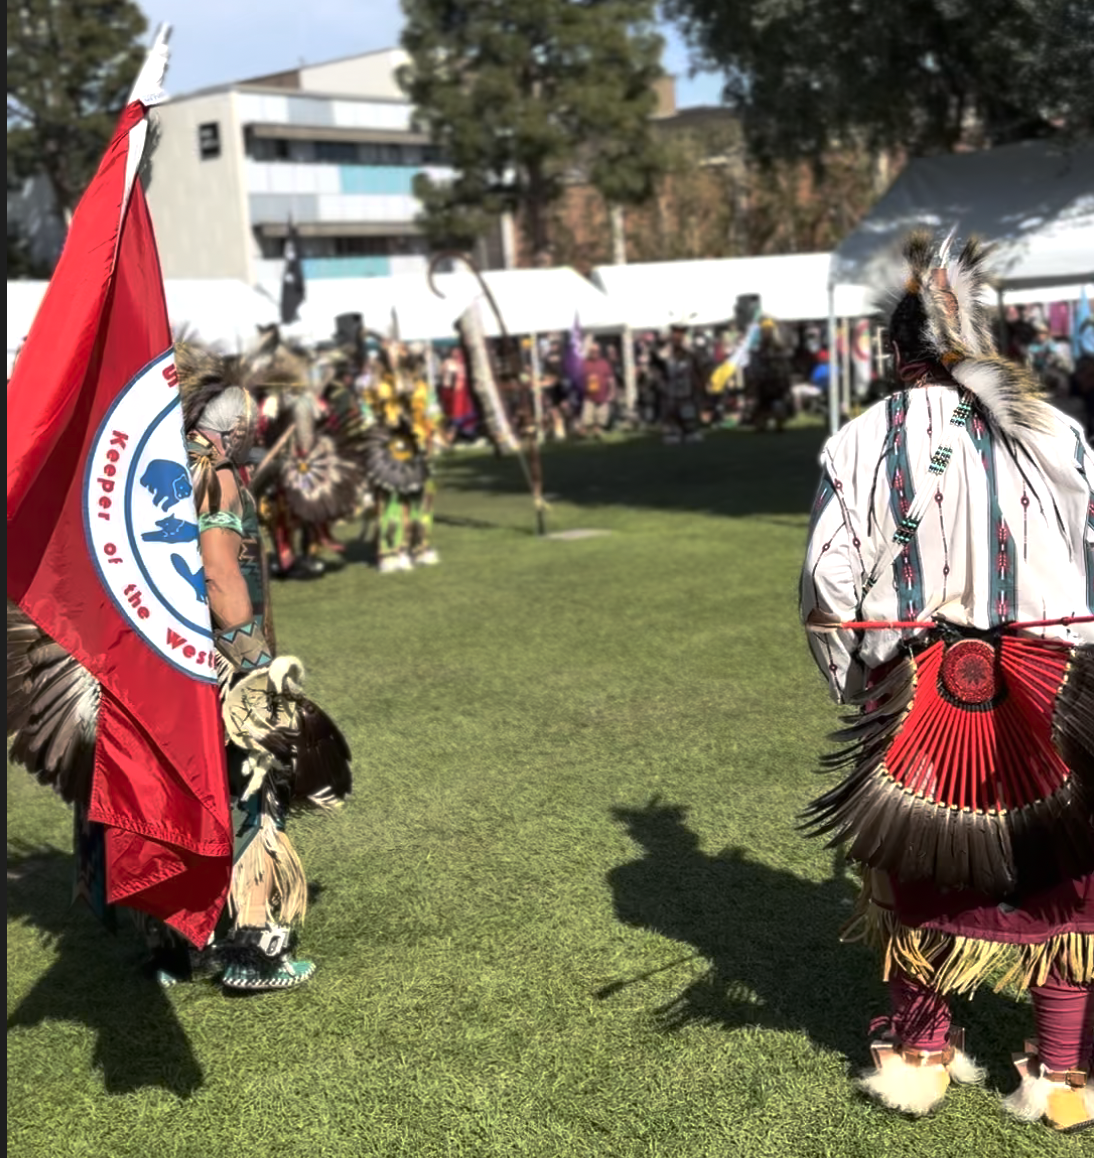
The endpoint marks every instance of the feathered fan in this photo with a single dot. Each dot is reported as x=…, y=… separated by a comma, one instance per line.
x=973, y=766
x=394, y=460
x=320, y=485
x=318, y=465
x=53, y=710
x=267, y=711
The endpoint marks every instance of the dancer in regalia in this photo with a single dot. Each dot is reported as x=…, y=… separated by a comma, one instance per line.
x=767, y=378
x=398, y=460
x=282, y=747
x=310, y=424
x=947, y=592
x=681, y=386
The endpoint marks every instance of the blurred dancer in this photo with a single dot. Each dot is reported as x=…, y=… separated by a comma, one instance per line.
x=680, y=382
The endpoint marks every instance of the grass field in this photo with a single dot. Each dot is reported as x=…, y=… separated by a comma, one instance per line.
x=566, y=911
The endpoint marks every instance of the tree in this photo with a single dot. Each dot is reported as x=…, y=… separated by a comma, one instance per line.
x=923, y=75
x=713, y=201
x=520, y=93
x=71, y=64
x=20, y=262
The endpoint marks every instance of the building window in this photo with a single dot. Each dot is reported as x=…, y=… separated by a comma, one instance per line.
x=360, y=246
x=269, y=149
x=209, y=140
x=336, y=152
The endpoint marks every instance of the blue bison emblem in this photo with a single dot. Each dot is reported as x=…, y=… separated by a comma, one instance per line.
x=172, y=530
x=168, y=482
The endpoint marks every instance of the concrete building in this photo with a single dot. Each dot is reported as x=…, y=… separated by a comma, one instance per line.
x=329, y=146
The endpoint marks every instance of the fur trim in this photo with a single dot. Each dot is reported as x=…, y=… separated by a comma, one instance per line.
x=1009, y=394
x=965, y=1071
x=915, y=1090
x=270, y=864
x=1037, y=1098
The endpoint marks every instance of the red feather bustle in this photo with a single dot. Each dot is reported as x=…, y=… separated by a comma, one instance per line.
x=982, y=752
x=958, y=771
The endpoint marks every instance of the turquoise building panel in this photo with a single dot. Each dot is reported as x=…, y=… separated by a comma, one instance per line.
x=379, y=180
x=370, y=266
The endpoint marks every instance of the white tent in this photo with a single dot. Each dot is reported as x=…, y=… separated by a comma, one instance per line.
x=792, y=287
x=530, y=300
x=24, y=298
x=219, y=311
x=1035, y=200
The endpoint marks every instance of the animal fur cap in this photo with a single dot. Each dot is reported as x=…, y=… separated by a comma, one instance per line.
x=203, y=374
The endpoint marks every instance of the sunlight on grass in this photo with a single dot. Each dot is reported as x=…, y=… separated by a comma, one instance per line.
x=566, y=911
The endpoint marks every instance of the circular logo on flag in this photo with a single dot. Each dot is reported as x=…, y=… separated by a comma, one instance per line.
x=141, y=522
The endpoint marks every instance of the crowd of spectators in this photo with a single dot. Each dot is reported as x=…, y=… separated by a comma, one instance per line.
x=689, y=379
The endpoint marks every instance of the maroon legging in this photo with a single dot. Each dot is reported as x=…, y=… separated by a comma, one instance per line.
x=1063, y=1012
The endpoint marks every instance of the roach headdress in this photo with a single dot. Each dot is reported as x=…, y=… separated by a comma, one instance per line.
x=938, y=320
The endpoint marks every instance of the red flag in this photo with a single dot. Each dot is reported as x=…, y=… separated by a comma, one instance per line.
x=103, y=548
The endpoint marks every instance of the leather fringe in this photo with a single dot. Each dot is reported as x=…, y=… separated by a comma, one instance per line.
x=952, y=964
x=270, y=861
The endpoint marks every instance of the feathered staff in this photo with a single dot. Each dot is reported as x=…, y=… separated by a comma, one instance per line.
x=490, y=398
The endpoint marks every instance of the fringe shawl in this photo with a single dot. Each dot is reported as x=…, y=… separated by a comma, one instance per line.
x=954, y=964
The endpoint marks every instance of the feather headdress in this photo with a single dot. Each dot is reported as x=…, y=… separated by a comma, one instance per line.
x=274, y=364
x=937, y=313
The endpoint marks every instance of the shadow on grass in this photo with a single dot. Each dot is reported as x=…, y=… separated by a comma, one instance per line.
x=771, y=942
x=95, y=982
x=732, y=473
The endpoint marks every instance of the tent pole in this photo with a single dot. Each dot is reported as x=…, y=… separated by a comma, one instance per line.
x=619, y=257
x=630, y=382
x=833, y=363
x=537, y=397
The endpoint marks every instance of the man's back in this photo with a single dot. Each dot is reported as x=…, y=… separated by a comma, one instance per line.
x=1008, y=535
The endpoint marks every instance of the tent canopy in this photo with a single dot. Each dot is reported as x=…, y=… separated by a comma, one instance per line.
x=792, y=287
x=530, y=300
x=1034, y=199
x=220, y=311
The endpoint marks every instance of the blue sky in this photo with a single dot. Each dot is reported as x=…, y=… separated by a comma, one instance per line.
x=216, y=41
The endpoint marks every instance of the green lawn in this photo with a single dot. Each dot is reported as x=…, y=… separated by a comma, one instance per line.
x=566, y=911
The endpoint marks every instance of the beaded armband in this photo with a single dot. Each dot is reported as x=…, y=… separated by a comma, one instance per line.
x=244, y=648
x=225, y=520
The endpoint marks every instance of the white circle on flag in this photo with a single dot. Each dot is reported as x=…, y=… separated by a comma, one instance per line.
x=142, y=524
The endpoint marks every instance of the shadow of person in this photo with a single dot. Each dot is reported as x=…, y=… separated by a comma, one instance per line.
x=95, y=981
x=772, y=946
x=769, y=937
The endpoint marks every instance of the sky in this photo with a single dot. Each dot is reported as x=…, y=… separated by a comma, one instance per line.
x=217, y=41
